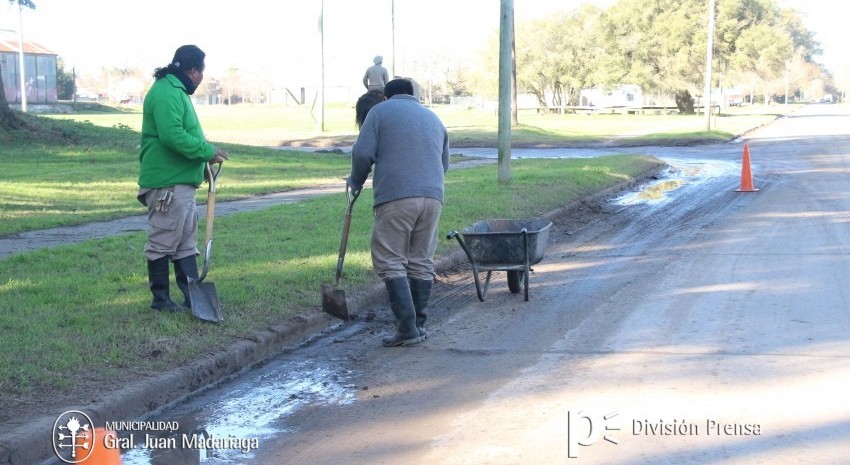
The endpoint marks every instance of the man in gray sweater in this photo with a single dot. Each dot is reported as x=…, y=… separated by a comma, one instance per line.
x=376, y=76
x=409, y=147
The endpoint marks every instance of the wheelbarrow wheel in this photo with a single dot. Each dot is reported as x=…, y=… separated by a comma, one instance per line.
x=515, y=280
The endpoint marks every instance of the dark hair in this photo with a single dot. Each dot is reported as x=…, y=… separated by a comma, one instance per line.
x=185, y=58
x=365, y=103
x=398, y=86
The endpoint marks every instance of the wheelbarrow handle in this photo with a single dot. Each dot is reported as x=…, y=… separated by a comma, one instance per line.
x=456, y=235
x=482, y=293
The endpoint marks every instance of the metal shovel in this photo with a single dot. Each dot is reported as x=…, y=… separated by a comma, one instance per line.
x=205, y=304
x=333, y=299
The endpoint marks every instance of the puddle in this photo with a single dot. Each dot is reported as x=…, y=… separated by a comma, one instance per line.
x=233, y=420
x=681, y=172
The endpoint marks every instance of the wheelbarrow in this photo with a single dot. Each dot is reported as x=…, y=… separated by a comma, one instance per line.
x=504, y=245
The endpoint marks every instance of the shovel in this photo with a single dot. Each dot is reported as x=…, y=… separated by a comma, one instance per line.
x=205, y=304
x=333, y=299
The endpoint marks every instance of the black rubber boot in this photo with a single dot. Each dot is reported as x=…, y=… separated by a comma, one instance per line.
x=401, y=303
x=420, y=290
x=184, y=269
x=158, y=280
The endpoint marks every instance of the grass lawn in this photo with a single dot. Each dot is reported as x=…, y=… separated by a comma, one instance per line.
x=90, y=172
x=270, y=125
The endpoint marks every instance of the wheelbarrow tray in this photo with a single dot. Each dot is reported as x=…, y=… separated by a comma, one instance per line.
x=504, y=245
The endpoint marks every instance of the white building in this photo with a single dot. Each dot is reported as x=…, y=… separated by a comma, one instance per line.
x=626, y=95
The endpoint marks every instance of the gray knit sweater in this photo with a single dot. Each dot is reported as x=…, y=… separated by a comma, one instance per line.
x=409, y=147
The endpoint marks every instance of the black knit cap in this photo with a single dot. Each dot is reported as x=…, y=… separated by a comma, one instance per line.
x=187, y=57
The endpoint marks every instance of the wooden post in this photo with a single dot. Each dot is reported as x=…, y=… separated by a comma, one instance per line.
x=708, y=59
x=514, y=106
x=21, y=55
x=505, y=29
x=393, y=32
x=322, y=90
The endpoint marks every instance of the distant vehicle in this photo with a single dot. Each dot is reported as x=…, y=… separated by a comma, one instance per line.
x=736, y=101
x=826, y=99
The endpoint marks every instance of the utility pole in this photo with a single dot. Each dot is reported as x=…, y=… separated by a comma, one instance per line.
x=786, y=83
x=322, y=90
x=505, y=39
x=393, y=31
x=21, y=53
x=708, y=59
x=514, y=106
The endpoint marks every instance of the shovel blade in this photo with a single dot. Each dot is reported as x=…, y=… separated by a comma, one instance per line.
x=205, y=304
x=333, y=302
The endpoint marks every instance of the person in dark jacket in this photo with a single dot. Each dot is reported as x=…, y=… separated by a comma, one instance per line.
x=408, y=146
x=173, y=160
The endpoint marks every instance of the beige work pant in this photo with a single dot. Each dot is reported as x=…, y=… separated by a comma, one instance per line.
x=404, y=238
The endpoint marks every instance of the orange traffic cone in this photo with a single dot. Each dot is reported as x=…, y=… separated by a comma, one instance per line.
x=103, y=449
x=746, y=174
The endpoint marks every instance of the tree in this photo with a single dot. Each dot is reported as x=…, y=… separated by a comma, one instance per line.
x=656, y=44
x=659, y=45
x=556, y=56
x=762, y=52
x=64, y=81
x=8, y=120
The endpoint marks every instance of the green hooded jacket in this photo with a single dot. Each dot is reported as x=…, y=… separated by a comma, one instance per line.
x=173, y=148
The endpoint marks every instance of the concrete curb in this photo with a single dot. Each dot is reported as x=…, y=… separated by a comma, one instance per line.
x=32, y=443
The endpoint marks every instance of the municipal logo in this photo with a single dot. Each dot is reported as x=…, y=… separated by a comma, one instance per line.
x=73, y=436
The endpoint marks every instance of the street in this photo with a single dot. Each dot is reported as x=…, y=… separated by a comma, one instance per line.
x=686, y=323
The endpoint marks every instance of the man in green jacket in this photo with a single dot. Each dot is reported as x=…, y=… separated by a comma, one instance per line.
x=173, y=159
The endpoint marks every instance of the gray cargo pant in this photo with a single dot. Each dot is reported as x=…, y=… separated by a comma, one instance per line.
x=172, y=233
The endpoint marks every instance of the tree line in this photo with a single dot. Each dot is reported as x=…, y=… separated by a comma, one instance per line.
x=660, y=45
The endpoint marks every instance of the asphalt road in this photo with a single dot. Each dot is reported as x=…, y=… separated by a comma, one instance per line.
x=686, y=323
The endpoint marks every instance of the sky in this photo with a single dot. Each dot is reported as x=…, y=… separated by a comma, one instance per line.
x=281, y=38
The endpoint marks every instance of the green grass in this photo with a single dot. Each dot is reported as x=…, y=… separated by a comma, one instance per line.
x=558, y=130
x=87, y=305
x=271, y=125
x=90, y=173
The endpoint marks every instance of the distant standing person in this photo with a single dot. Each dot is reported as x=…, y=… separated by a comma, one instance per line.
x=173, y=159
x=376, y=76
x=408, y=146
